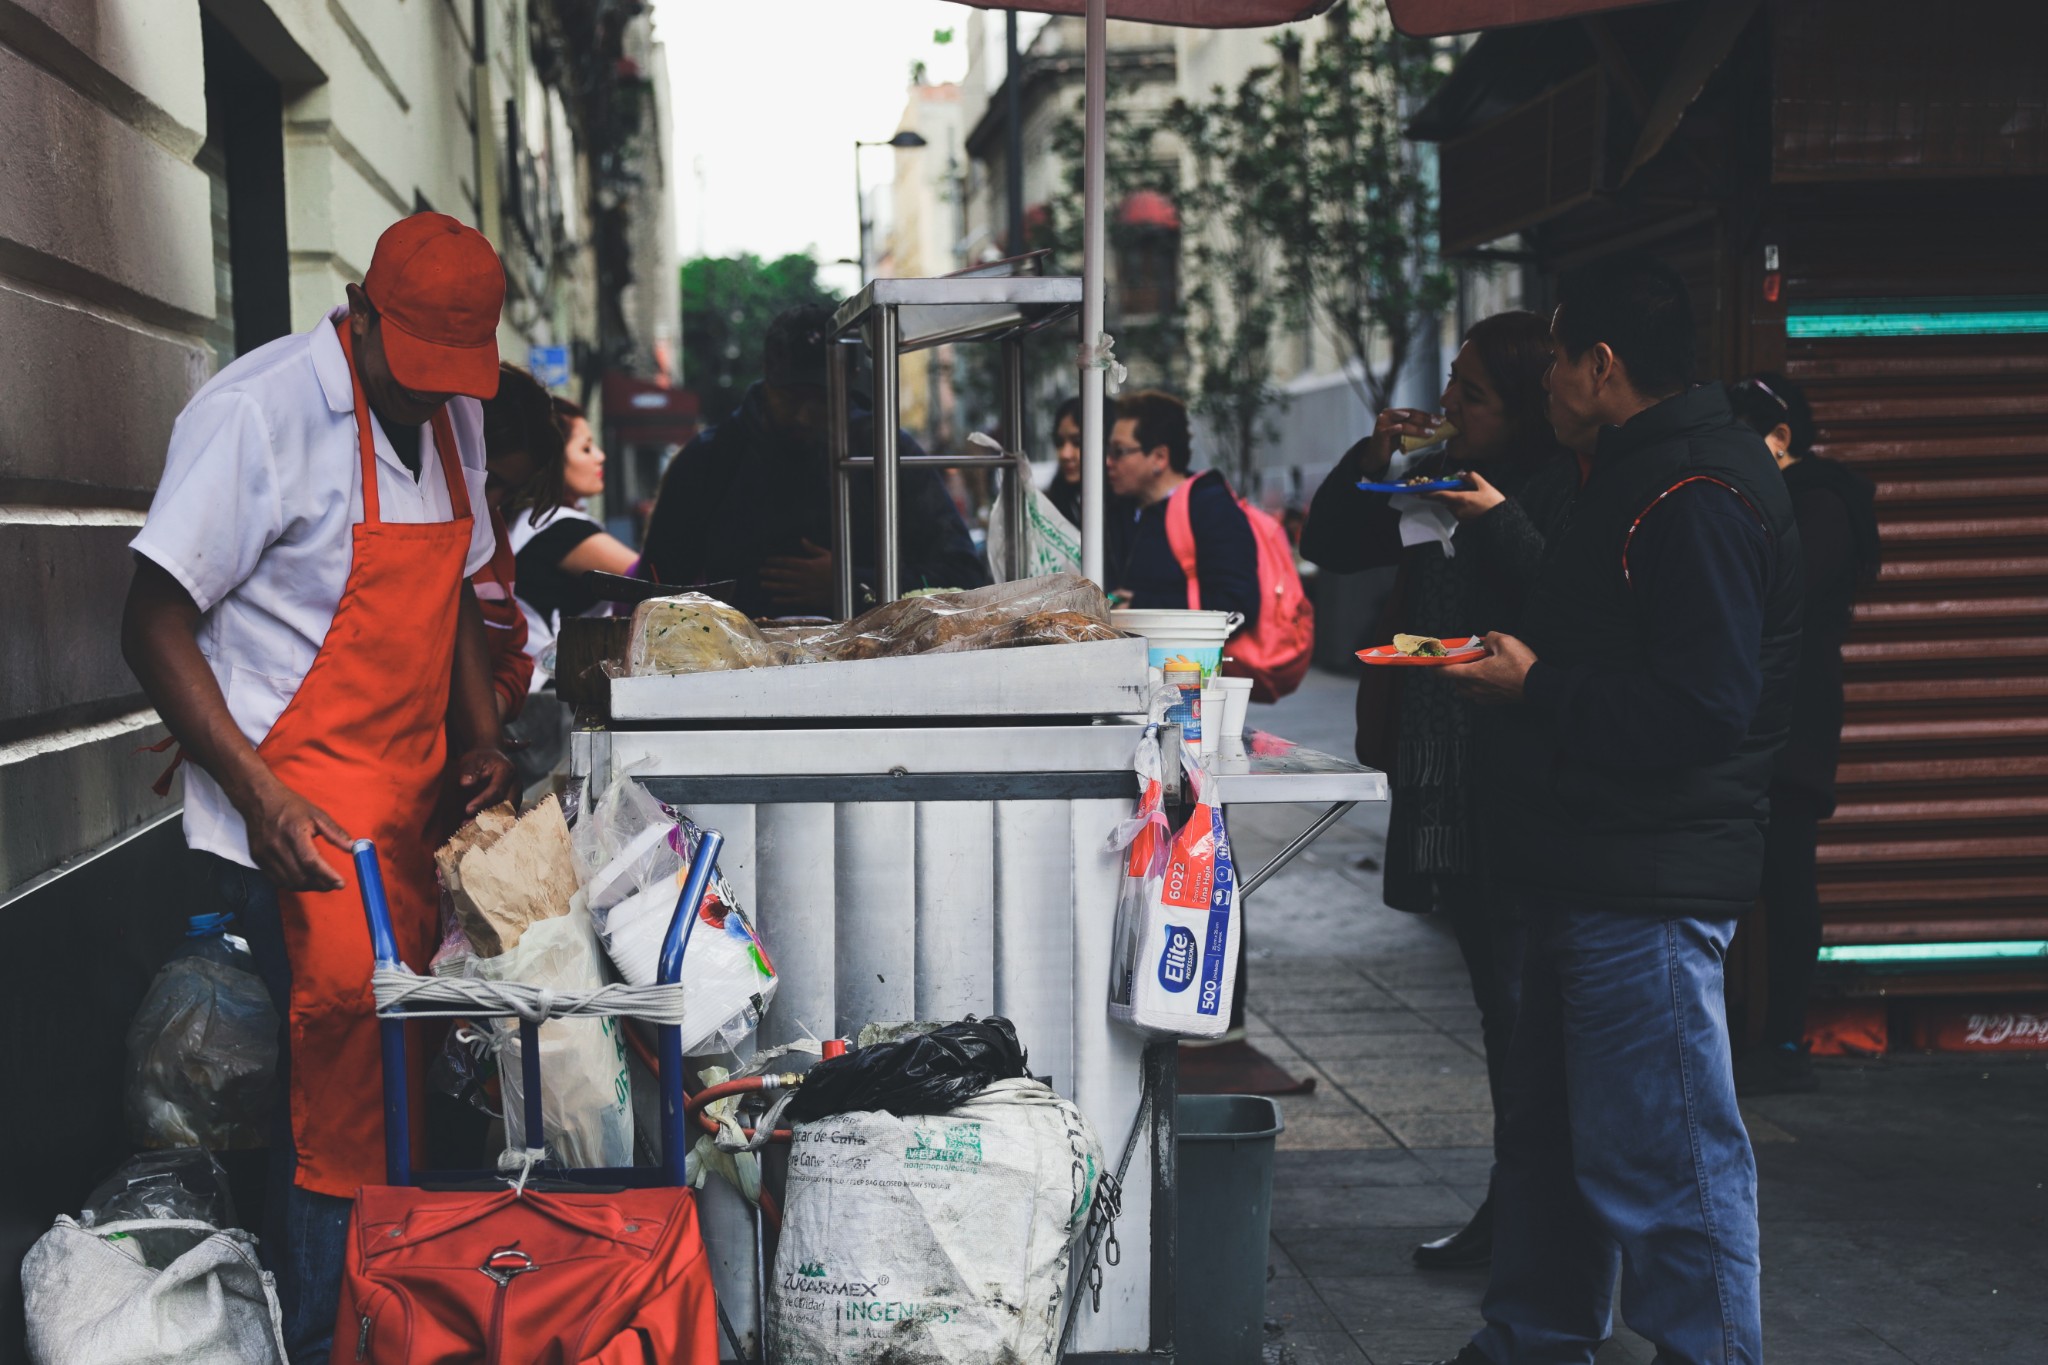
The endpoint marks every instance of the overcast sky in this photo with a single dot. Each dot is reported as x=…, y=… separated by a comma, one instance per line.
x=769, y=96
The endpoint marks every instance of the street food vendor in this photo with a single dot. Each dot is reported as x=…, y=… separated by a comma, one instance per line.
x=750, y=499
x=301, y=616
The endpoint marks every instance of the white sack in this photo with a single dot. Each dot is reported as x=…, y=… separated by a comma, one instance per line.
x=945, y=1237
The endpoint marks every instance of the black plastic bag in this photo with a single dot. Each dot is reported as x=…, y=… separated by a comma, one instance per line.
x=924, y=1073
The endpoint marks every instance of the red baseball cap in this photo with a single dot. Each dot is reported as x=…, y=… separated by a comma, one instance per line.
x=438, y=289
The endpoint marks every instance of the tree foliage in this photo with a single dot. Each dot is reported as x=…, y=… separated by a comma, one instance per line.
x=728, y=302
x=1352, y=203
x=1236, y=299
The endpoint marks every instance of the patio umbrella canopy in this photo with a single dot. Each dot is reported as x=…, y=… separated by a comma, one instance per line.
x=1181, y=13
x=1093, y=359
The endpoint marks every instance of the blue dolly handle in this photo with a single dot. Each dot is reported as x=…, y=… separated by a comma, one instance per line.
x=675, y=1135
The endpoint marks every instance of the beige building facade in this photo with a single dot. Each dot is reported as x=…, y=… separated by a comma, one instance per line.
x=181, y=180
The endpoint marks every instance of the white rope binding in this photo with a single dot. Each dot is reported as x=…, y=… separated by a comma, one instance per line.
x=402, y=992
x=1102, y=356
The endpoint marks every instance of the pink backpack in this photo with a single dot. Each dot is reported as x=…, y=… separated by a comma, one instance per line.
x=1273, y=652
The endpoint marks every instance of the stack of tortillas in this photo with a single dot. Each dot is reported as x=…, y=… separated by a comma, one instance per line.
x=503, y=872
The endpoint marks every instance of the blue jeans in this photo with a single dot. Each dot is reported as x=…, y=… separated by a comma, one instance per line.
x=1622, y=1149
x=305, y=1234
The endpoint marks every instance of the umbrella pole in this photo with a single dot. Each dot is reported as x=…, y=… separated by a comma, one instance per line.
x=1096, y=89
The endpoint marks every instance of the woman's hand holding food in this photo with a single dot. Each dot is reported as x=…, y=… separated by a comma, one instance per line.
x=1467, y=504
x=1498, y=677
x=1376, y=452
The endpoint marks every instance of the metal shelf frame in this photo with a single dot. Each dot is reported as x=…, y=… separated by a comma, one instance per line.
x=896, y=316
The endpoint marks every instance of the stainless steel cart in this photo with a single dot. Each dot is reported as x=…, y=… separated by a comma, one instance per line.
x=925, y=838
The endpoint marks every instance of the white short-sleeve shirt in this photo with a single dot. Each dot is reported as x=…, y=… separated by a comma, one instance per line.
x=255, y=516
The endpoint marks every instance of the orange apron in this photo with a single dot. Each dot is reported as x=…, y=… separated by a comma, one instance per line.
x=365, y=739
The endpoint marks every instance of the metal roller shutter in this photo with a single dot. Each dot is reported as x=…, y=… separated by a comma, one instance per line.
x=1942, y=830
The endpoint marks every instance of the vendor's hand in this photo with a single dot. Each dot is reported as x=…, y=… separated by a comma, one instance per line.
x=1393, y=424
x=1499, y=676
x=1467, y=504
x=485, y=775
x=799, y=584
x=285, y=830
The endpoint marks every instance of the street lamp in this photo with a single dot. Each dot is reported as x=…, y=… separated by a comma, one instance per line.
x=903, y=140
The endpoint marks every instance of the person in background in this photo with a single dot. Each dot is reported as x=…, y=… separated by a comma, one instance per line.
x=1065, y=490
x=1645, y=694
x=1837, y=512
x=750, y=499
x=558, y=545
x=1147, y=464
x=1411, y=724
x=523, y=467
x=301, y=618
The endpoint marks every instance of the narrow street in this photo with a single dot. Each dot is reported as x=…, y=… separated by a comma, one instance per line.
x=1904, y=1211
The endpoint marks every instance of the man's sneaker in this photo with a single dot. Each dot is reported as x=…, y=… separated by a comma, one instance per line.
x=1781, y=1069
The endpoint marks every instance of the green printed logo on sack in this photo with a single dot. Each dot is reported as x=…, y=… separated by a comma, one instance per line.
x=956, y=1144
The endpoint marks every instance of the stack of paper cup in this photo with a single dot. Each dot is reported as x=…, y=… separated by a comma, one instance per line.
x=1237, y=696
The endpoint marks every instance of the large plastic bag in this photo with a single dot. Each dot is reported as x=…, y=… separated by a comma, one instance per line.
x=936, y=1237
x=922, y=1072
x=202, y=1058
x=90, y=1298
x=635, y=856
x=1052, y=544
x=163, y=1196
x=683, y=634
x=1173, y=956
x=586, y=1094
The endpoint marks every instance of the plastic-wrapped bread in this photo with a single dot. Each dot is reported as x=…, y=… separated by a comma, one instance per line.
x=693, y=633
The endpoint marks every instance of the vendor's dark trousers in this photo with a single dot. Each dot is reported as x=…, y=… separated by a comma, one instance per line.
x=1791, y=912
x=1622, y=1149
x=1489, y=934
x=304, y=1234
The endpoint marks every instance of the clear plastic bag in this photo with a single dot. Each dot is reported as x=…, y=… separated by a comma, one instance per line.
x=635, y=855
x=586, y=1094
x=202, y=1058
x=182, y=1186
x=683, y=634
x=692, y=633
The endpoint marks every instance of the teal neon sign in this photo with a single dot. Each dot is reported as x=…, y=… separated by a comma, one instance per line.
x=1902, y=953
x=1837, y=318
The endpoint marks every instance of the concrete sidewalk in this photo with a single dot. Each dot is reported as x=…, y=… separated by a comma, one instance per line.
x=1904, y=1210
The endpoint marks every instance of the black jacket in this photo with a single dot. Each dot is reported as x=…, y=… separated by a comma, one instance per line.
x=1226, y=555
x=1837, y=513
x=741, y=493
x=1623, y=782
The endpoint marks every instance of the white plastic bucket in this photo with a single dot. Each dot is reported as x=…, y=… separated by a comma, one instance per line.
x=1198, y=636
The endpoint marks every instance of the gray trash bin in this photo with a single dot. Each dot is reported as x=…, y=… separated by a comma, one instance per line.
x=1224, y=1204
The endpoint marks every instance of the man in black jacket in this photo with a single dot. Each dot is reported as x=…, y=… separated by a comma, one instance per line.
x=1146, y=469
x=750, y=499
x=1644, y=701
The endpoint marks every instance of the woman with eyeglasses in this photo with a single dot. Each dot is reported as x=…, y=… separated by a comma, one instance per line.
x=1837, y=512
x=1466, y=581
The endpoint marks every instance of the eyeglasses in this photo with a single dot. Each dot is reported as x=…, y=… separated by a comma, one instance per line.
x=1117, y=452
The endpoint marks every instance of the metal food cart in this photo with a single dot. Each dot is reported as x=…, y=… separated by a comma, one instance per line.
x=924, y=838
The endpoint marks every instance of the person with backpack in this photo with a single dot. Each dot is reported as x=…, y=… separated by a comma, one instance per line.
x=1192, y=543
x=1412, y=725
x=1146, y=461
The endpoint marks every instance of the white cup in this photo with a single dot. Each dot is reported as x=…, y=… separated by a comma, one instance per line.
x=1237, y=696
x=1213, y=704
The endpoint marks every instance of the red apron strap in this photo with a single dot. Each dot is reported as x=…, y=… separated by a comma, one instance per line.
x=1180, y=537
x=366, y=444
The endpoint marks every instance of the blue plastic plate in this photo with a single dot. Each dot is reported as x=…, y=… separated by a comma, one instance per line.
x=1433, y=486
